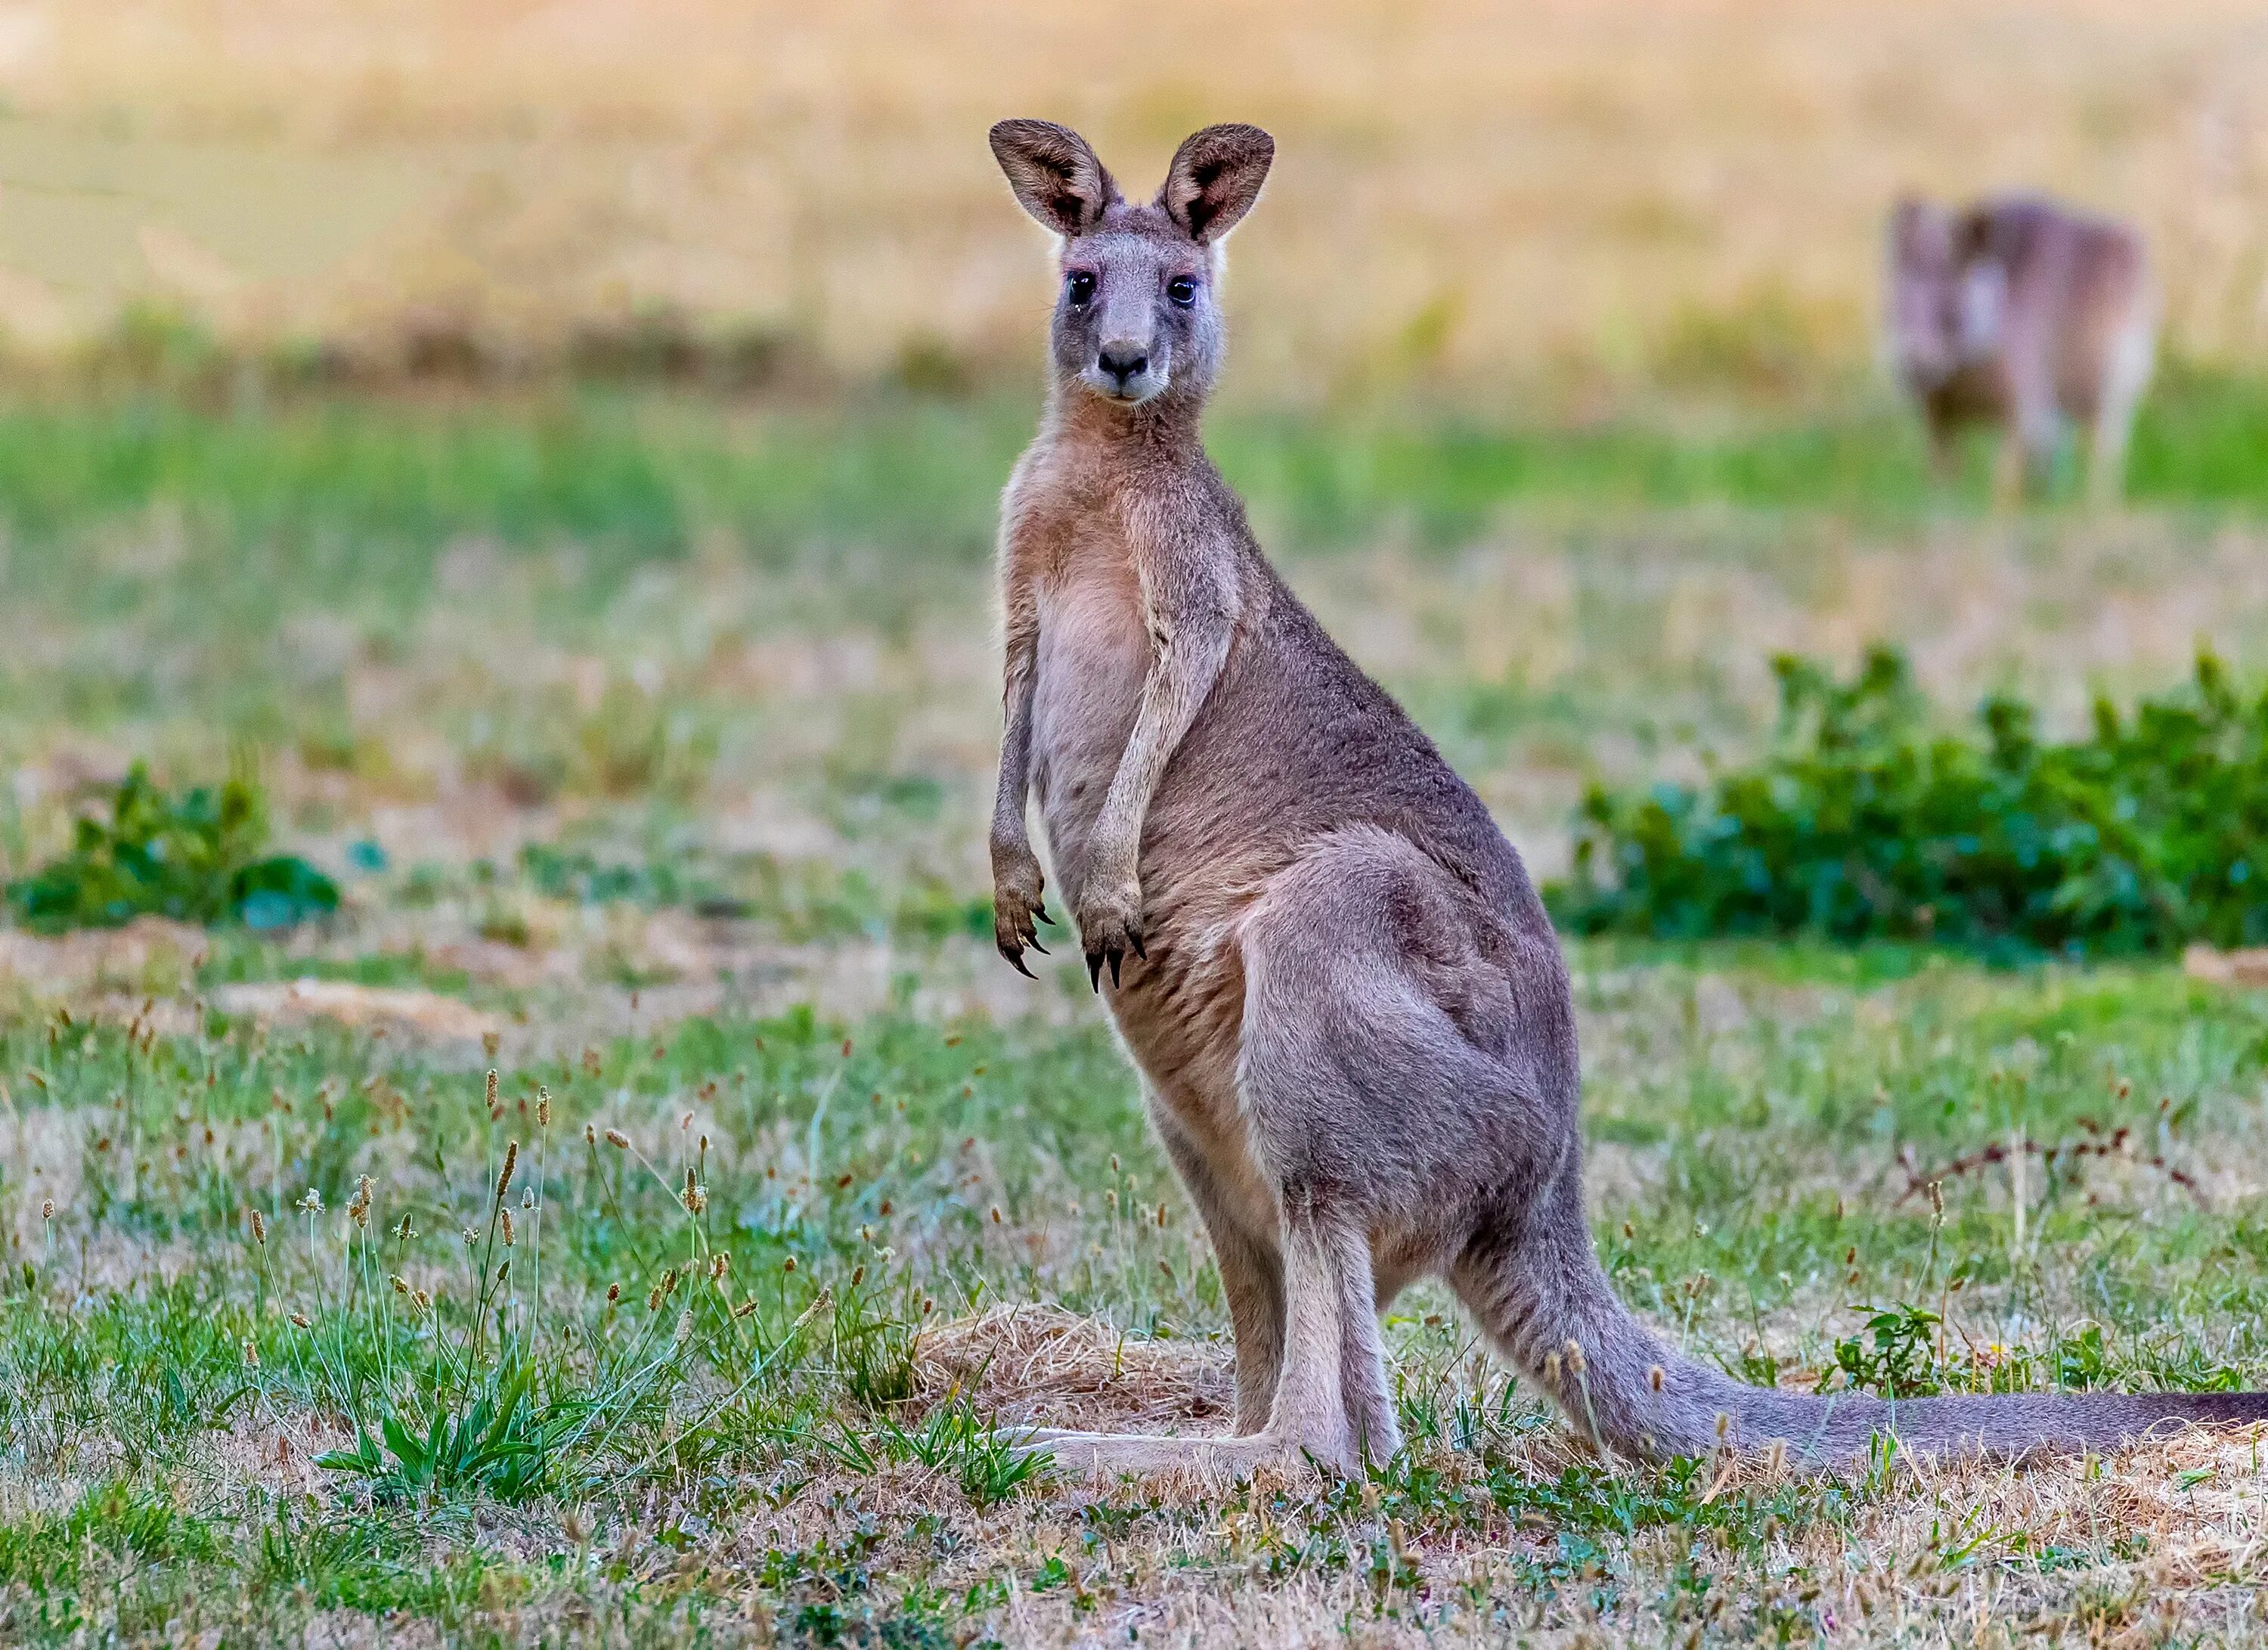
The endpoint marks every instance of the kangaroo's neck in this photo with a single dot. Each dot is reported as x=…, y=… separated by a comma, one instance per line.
x=1166, y=430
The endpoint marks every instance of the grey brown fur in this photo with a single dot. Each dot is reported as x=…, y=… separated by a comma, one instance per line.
x=1347, y=1004
x=2025, y=315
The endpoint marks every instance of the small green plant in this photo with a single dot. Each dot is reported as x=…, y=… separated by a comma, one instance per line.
x=493, y=1445
x=194, y=858
x=1867, y=820
x=1896, y=1355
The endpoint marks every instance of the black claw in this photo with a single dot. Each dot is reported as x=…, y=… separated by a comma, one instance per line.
x=1044, y=915
x=1033, y=942
x=1135, y=940
x=1115, y=956
x=1094, y=971
x=1016, y=959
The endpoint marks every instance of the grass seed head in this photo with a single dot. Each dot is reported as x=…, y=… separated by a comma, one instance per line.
x=507, y=1228
x=47, y=1208
x=1575, y=1357
x=788, y=1265
x=259, y=1227
x=511, y=1163
x=300, y=1319
x=312, y=1202
x=615, y=1138
x=543, y=1106
x=613, y=1293
x=743, y=1308
x=490, y=1096
x=1653, y=1377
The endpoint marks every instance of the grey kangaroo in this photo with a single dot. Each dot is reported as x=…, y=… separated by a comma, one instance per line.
x=2022, y=313
x=1348, y=1006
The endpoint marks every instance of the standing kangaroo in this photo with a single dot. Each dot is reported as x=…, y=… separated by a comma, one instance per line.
x=1347, y=1004
x=2020, y=313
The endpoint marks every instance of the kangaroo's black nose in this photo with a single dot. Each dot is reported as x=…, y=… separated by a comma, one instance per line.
x=1122, y=361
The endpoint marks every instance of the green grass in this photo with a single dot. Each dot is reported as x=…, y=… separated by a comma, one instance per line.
x=850, y=1174
x=659, y=731
x=360, y=498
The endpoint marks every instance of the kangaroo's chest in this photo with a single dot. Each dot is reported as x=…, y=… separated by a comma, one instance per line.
x=1093, y=651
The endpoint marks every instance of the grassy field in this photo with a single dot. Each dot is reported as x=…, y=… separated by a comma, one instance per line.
x=553, y=450
x=651, y=737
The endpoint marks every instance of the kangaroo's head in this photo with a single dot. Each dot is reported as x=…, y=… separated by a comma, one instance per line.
x=1945, y=291
x=1137, y=312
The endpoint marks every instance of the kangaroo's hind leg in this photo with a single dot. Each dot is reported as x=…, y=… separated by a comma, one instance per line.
x=1251, y=1276
x=1379, y=1119
x=1326, y=1267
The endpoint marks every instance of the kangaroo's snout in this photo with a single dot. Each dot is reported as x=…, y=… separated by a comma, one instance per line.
x=1125, y=365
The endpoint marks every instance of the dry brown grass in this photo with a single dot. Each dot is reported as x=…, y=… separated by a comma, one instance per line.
x=1467, y=191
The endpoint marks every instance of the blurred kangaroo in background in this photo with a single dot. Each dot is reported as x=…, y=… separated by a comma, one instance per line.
x=2020, y=313
x=1349, y=1009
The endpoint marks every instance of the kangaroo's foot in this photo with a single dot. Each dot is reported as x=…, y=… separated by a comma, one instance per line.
x=1111, y=1453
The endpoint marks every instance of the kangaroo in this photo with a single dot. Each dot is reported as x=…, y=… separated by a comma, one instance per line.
x=2021, y=313
x=1350, y=1012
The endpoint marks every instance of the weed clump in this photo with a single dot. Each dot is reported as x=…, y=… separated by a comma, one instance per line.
x=194, y=858
x=1867, y=820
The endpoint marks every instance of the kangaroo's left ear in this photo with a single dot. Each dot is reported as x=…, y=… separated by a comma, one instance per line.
x=1215, y=178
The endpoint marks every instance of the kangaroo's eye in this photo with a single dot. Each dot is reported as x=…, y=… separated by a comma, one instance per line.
x=1078, y=287
x=1182, y=290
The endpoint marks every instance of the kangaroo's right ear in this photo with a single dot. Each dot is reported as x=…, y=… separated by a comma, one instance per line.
x=1054, y=173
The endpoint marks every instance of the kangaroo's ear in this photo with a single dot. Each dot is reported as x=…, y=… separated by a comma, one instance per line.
x=1054, y=173
x=1215, y=178
x=1920, y=230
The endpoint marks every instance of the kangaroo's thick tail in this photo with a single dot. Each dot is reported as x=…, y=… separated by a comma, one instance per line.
x=1542, y=1296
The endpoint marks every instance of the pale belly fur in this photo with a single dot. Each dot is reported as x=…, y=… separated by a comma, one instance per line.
x=1092, y=658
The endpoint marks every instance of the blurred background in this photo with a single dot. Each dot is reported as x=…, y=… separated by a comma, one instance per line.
x=552, y=447
x=1491, y=202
